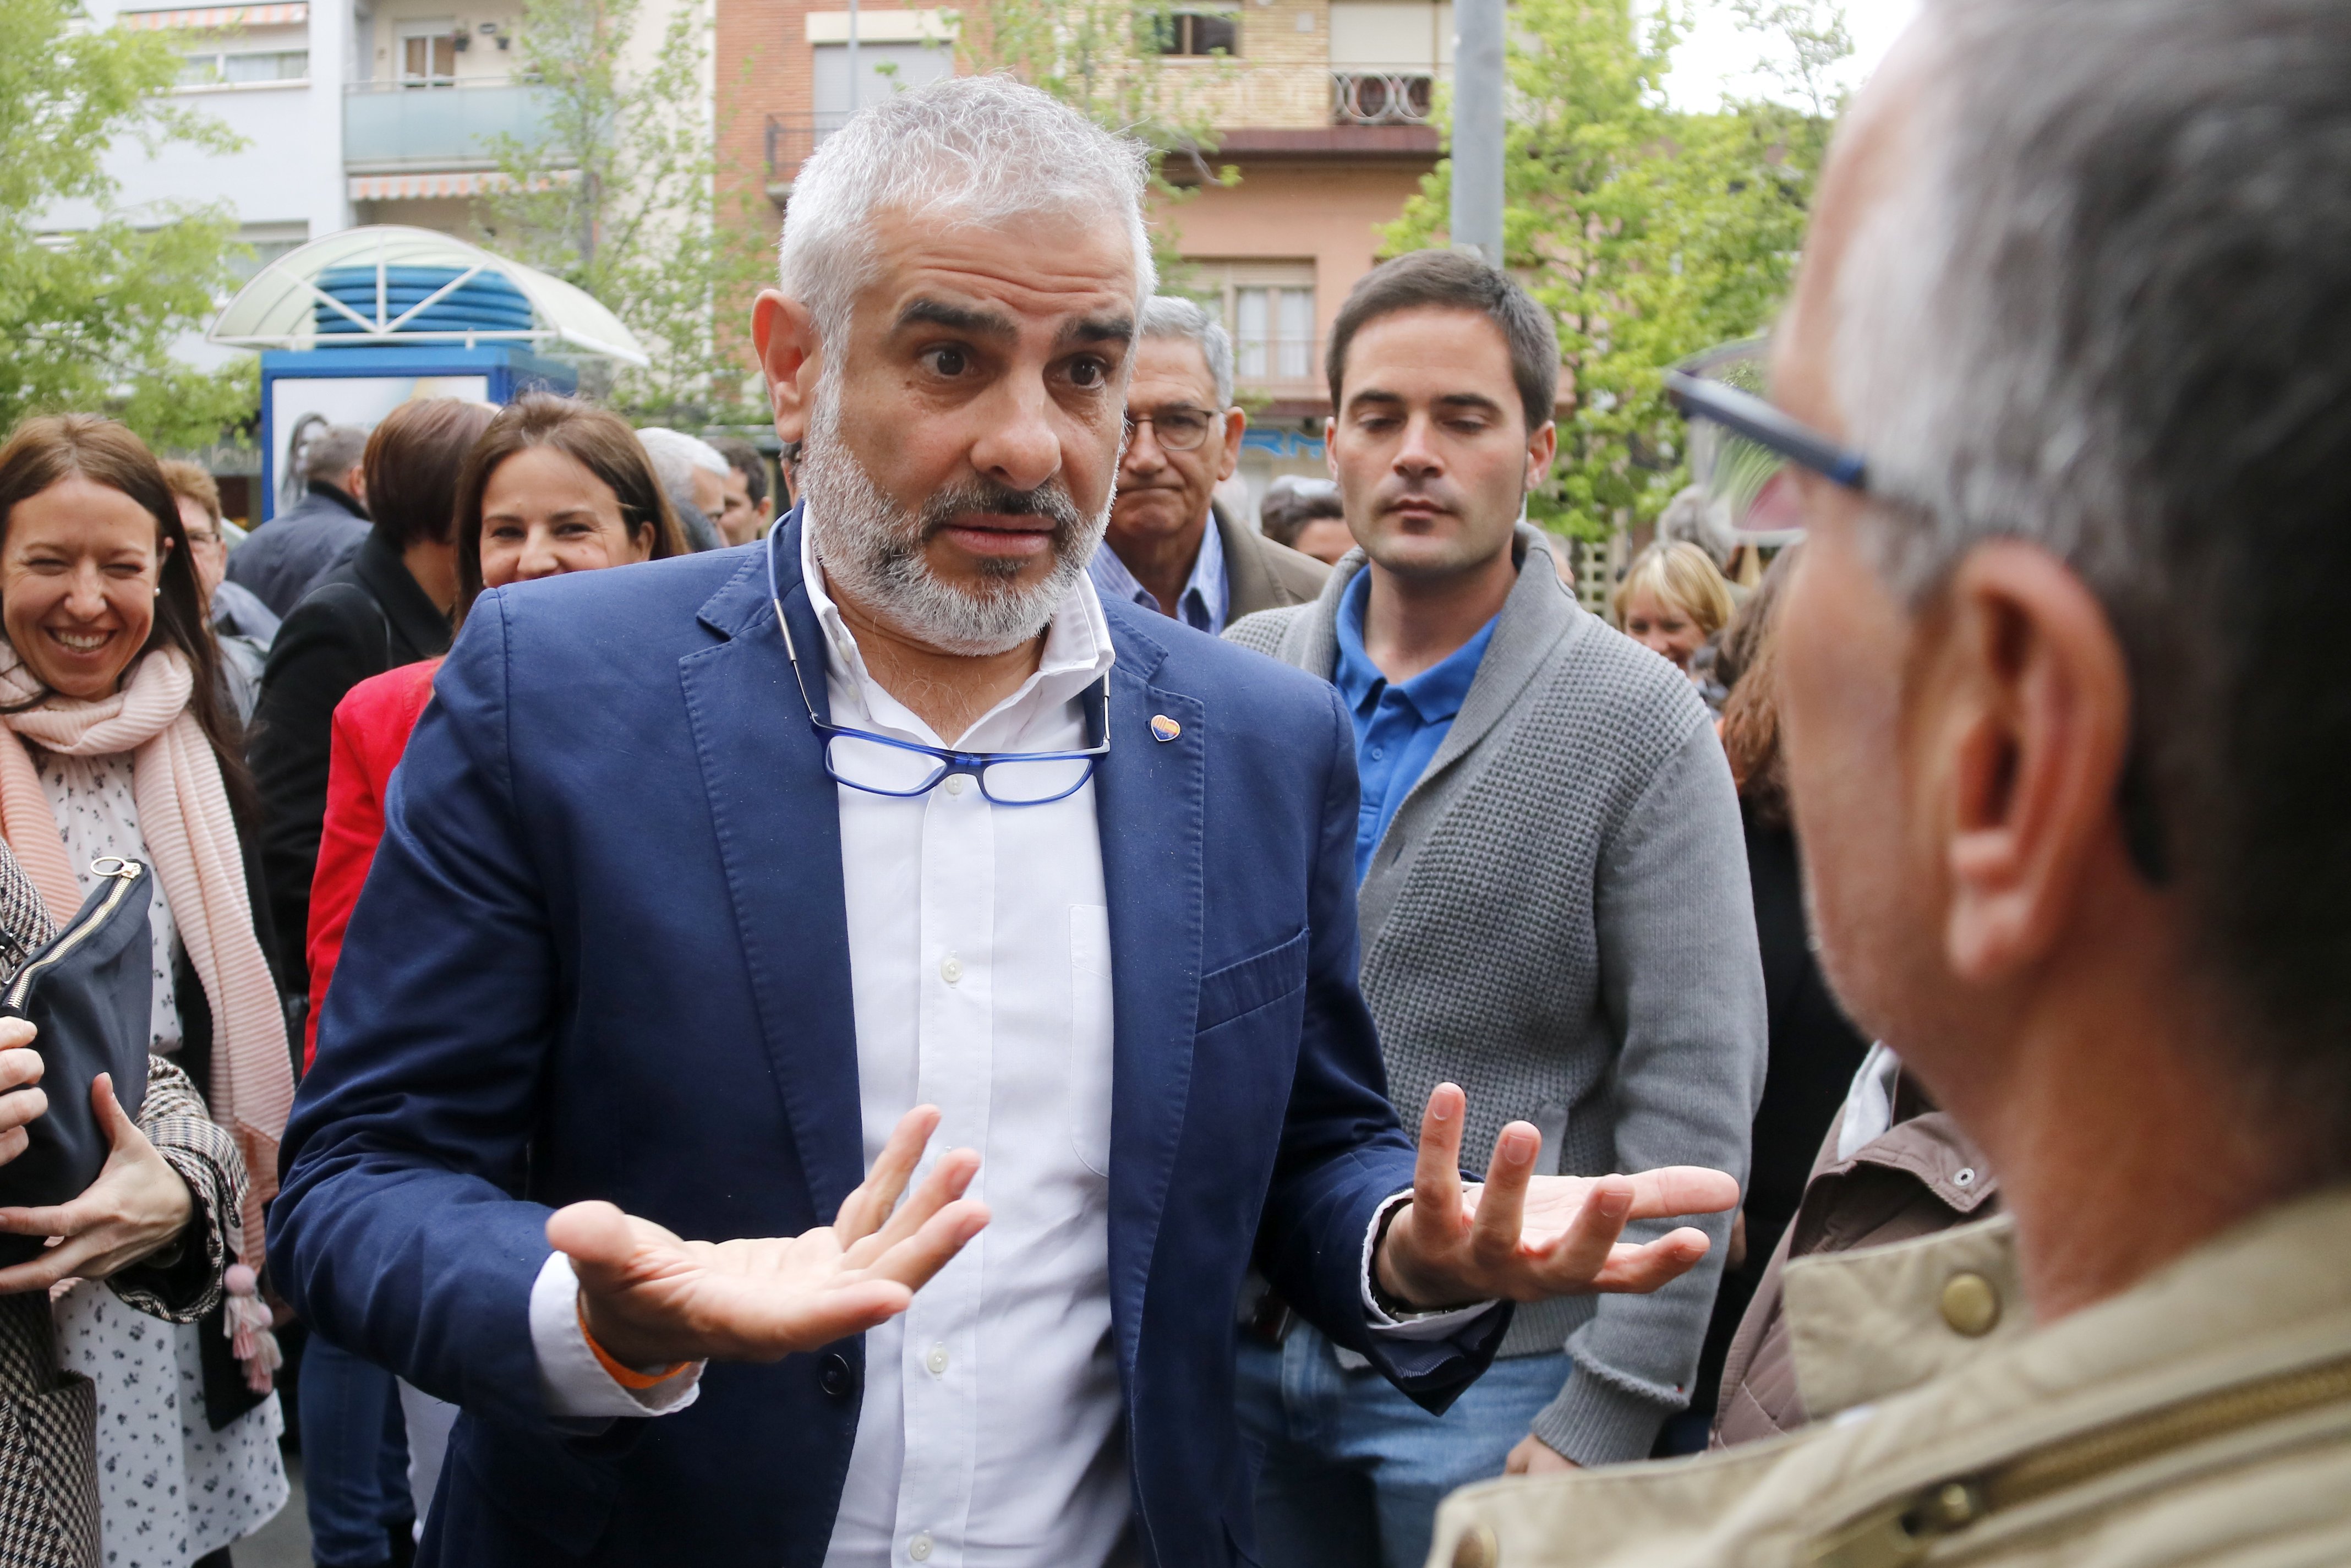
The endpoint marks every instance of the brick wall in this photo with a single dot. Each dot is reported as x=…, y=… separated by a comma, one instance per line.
x=1281, y=79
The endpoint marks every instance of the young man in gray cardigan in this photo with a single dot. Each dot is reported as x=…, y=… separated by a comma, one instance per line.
x=1555, y=905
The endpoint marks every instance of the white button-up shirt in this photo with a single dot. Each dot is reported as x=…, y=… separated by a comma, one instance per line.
x=991, y=1432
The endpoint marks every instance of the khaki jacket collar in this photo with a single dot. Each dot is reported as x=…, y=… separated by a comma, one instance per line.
x=2268, y=1300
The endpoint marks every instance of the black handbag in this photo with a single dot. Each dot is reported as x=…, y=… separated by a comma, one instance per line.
x=91, y=992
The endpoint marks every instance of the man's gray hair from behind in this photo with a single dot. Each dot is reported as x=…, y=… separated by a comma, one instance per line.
x=1168, y=318
x=2109, y=313
x=332, y=451
x=983, y=151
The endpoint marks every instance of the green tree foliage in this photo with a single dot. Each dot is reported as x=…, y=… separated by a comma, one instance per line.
x=1648, y=233
x=618, y=193
x=92, y=299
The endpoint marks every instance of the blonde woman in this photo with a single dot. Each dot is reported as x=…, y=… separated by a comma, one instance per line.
x=1671, y=600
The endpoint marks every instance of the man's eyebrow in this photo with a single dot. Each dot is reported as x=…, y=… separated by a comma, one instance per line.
x=958, y=319
x=1098, y=329
x=1477, y=401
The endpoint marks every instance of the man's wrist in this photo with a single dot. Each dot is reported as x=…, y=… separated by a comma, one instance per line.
x=1395, y=1291
x=629, y=1362
x=1388, y=1292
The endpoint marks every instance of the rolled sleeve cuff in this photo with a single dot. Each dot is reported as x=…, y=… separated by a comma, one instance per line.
x=1595, y=1422
x=573, y=1384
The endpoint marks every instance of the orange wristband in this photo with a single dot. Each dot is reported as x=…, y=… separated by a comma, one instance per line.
x=625, y=1376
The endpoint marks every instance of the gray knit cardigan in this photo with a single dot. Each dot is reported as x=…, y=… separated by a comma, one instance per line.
x=1557, y=919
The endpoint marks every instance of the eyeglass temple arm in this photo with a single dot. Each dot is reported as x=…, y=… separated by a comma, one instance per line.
x=783, y=625
x=1750, y=416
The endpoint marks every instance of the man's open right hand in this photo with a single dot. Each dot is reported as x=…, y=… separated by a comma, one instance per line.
x=651, y=1298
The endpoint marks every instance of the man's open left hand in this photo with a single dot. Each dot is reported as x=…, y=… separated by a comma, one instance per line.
x=1523, y=1238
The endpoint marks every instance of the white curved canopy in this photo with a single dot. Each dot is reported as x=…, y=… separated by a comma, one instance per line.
x=277, y=309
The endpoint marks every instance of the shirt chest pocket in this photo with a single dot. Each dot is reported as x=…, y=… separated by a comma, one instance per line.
x=1090, y=1031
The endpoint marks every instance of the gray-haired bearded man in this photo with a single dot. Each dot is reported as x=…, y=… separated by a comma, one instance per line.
x=713, y=889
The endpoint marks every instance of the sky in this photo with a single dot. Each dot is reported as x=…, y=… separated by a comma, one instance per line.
x=1717, y=55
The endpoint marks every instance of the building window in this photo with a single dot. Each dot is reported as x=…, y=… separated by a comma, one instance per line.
x=218, y=68
x=1269, y=307
x=268, y=242
x=1274, y=333
x=1198, y=33
x=428, y=54
x=883, y=70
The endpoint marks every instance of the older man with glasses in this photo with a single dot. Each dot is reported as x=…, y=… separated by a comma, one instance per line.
x=1169, y=548
x=715, y=891
x=2066, y=385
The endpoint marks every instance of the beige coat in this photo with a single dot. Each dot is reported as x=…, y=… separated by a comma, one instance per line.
x=1260, y=574
x=2203, y=1418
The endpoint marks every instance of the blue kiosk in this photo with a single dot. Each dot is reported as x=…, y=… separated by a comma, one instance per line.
x=351, y=325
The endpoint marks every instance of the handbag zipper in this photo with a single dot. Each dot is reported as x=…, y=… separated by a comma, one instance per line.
x=125, y=872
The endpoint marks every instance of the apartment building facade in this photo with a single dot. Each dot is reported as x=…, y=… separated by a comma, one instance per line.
x=378, y=111
x=1322, y=106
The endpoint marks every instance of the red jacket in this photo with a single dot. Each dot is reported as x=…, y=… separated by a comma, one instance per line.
x=371, y=727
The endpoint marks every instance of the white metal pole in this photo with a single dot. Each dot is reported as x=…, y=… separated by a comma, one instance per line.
x=1477, y=90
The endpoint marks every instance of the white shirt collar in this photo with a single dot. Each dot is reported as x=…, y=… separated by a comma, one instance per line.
x=1078, y=653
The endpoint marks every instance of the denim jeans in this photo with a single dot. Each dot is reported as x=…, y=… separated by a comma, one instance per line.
x=354, y=1457
x=1352, y=1471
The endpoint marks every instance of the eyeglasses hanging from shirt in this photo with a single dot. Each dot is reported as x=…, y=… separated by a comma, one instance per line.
x=883, y=765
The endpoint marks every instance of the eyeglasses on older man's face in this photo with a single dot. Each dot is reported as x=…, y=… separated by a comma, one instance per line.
x=1176, y=429
x=1695, y=395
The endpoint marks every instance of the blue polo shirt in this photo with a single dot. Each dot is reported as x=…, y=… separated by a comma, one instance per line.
x=1397, y=728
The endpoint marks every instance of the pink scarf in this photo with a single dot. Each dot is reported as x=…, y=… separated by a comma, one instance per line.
x=175, y=783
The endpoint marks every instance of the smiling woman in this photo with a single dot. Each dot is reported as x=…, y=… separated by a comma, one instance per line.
x=122, y=745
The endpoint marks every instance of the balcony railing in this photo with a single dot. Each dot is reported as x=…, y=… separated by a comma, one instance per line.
x=791, y=138
x=1381, y=98
x=391, y=126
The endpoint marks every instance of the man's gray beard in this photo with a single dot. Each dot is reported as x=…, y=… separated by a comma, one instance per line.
x=872, y=548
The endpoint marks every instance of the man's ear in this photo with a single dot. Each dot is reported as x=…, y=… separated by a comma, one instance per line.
x=1542, y=447
x=1330, y=446
x=2027, y=714
x=784, y=334
x=1236, y=427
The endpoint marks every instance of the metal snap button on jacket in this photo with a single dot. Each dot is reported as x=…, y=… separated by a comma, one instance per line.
x=1970, y=1305
x=1477, y=1548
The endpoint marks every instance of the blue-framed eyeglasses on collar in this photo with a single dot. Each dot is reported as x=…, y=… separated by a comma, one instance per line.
x=883, y=765
x=1696, y=396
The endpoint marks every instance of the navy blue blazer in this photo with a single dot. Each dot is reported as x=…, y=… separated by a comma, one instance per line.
x=602, y=953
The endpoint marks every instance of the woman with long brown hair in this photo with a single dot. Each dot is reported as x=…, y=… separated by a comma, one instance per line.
x=553, y=485
x=123, y=747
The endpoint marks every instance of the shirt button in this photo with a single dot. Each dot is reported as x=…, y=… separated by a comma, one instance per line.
x=919, y=1549
x=938, y=1361
x=1379, y=753
x=955, y=781
x=952, y=969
